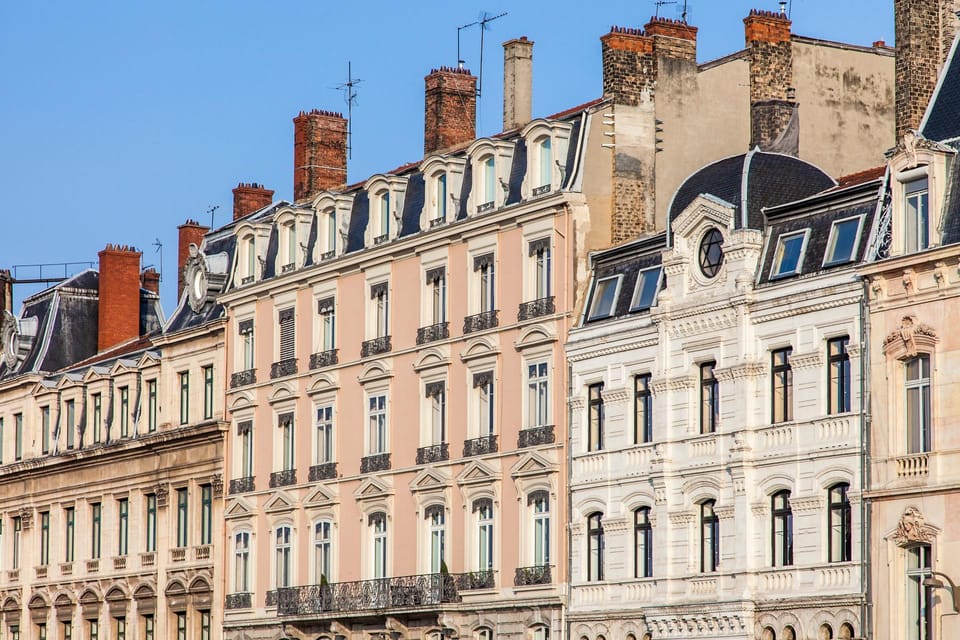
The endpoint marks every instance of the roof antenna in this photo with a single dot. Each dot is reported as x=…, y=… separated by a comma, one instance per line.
x=211, y=210
x=483, y=21
x=661, y=3
x=460, y=60
x=350, y=96
x=685, y=12
x=159, y=246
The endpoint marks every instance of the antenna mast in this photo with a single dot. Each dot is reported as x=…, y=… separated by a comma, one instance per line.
x=350, y=96
x=661, y=3
x=483, y=27
x=685, y=12
x=159, y=246
x=211, y=210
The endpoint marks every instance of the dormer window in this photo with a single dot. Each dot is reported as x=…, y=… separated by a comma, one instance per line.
x=788, y=259
x=605, y=294
x=844, y=238
x=917, y=215
x=382, y=217
x=488, y=184
x=250, y=260
x=440, y=205
x=645, y=293
x=289, y=255
x=329, y=234
x=544, y=160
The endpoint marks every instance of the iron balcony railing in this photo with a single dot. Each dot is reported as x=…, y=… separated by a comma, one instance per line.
x=323, y=359
x=433, y=332
x=484, y=207
x=375, y=462
x=539, y=574
x=375, y=346
x=480, y=321
x=323, y=471
x=283, y=478
x=536, y=435
x=480, y=446
x=283, y=368
x=541, y=190
x=243, y=378
x=402, y=592
x=476, y=580
x=434, y=453
x=327, y=255
x=238, y=601
x=241, y=485
x=536, y=308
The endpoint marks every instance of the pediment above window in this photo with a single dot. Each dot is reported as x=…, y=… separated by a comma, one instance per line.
x=532, y=464
x=429, y=480
x=911, y=338
x=913, y=529
x=705, y=211
x=477, y=473
x=238, y=508
x=373, y=489
x=279, y=503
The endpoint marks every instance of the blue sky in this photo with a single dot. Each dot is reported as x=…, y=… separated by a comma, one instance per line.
x=119, y=120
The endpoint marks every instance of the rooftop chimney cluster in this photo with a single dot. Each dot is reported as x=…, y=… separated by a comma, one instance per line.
x=118, y=308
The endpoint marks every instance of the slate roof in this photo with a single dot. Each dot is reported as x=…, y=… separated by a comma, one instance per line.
x=626, y=260
x=942, y=119
x=220, y=246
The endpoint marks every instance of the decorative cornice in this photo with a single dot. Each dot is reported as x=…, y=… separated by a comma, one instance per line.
x=725, y=512
x=809, y=503
x=793, y=312
x=616, y=524
x=702, y=323
x=761, y=508
x=677, y=383
x=687, y=624
x=682, y=518
x=740, y=371
x=577, y=403
x=615, y=396
x=609, y=350
x=807, y=360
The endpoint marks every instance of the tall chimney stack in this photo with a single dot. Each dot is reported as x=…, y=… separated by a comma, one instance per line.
x=517, y=82
x=449, y=110
x=6, y=291
x=924, y=33
x=319, y=153
x=119, y=296
x=248, y=198
x=772, y=99
x=190, y=232
x=150, y=280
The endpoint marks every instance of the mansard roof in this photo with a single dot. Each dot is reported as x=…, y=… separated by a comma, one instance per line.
x=942, y=120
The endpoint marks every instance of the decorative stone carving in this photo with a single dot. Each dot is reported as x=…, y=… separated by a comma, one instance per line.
x=904, y=342
x=216, y=482
x=26, y=518
x=940, y=274
x=876, y=287
x=913, y=529
x=909, y=281
x=162, y=492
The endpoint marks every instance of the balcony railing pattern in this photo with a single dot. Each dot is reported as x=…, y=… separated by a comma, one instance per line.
x=326, y=255
x=403, y=592
x=536, y=435
x=178, y=554
x=541, y=190
x=13, y=575
x=241, y=485
x=66, y=568
x=323, y=471
x=434, y=332
x=283, y=478
x=916, y=465
x=271, y=599
x=283, y=368
x=486, y=206
x=539, y=574
x=148, y=559
x=475, y=580
x=480, y=446
x=120, y=562
x=93, y=566
x=481, y=321
x=375, y=346
x=376, y=462
x=238, y=601
x=536, y=308
x=41, y=572
x=433, y=453
x=323, y=359
x=202, y=552
x=243, y=378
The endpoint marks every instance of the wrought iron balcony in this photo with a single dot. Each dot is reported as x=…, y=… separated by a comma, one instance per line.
x=476, y=580
x=243, y=378
x=287, y=268
x=238, y=601
x=241, y=485
x=375, y=346
x=541, y=190
x=480, y=446
x=286, y=367
x=481, y=321
x=539, y=574
x=433, y=453
x=486, y=206
x=324, y=471
x=326, y=255
x=376, y=462
x=402, y=592
x=536, y=435
x=323, y=359
x=536, y=308
x=283, y=478
x=271, y=599
x=434, y=332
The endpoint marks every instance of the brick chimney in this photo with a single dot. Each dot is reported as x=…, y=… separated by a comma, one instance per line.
x=772, y=99
x=248, y=198
x=672, y=38
x=449, y=109
x=517, y=82
x=319, y=153
x=150, y=280
x=629, y=67
x=190, y=232
x=924, y=33
x=119, y=296
x=6, y=291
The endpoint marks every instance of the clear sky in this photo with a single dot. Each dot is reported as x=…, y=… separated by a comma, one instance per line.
x=119, y=120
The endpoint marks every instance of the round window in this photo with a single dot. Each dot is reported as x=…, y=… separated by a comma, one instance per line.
x=711, y=253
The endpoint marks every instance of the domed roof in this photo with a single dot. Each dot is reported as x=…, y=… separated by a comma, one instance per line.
x=753, y=181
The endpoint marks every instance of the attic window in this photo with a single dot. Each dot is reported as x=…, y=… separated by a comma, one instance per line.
x=604, y=297
x=844, y=238
x=383, y=218
x=645, y=293
x=440, y=206
x=917, y=223
x=788, y=259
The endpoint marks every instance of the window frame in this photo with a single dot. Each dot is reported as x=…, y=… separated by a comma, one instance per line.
x=842, y=403
x=96, y=529
x=208, y=392
x=921, y=596
x=922, y=440
x=283, y=556
x=642, y=397
x=123, y=526
x=378, y=421
x=541, y=527
x=781, y=529
x=595, y=312
x=780, y=251
x=241, y=561
x=595, y=547
x=183, y=378
x=709, y=398
x=538, y=394
x=839, y=520
x=150, y=539
x=642, y=543
x=638, y=288
x=781, y=386
x=486, y=534
x=183, y=517
x=831, y=260
x=595, y=417
x=380, y=539
x=918, y=187
x=322, y=550
x=709, y=537
x=324, y=446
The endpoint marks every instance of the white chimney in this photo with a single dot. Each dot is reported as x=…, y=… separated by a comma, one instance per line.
x=517, y=82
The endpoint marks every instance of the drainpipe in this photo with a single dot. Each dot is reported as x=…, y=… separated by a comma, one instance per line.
x=865, y=429
x=569, y=501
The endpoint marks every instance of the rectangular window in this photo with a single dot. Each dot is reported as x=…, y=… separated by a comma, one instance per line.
x=151, y=406
x=645, y=292
x=208, y=392
x=96, y=527
x=483, y=385
x=918, y=404
x=251, y=253
x=206, y=514
x=438, y=296
x=643, y=409
x=782, y=386
x=379, y=522
x=67, y=630
x=120, y=628
x=546, y=162
x=184, y=377
x=382, y=309
x=643, y=542
x=919, y=596
x=285, y=423
x=489, y=180
x=782, y=530
x=45, y=429
x=541, y=529
x=437, y=520
x=322, y=547
x=45, y=538
x=124, y=412
x=384, y=202
x=323, y=446
x=709, y=398
x=378, y=424
x=838, y=384
x=709, y=537
x=93, y=630
x=151, y=532
x=541, y=269
x=14, y=632
x=204, y=625
x=148, y=627
x=182, y=514
x=437, y=394
x=839, y=524
x=291, y=242
x=181, y=626
x=328, y=324
x=441, y=210
x=331, y=219
x=595, y=409
x=288, y=343
x=123, y=526
x=246, y=335
x=70, y=518
x=485, y=536
x=97, y=417
x=1, y=440
x=241, y=557
x=71, y=423
x=17, y=531
x=18, y=436
x=788, y=258
x=537, y=395
x=245, y=430
x=917, y=216
x=605, y=293
x=487, y=284
x=42, y=631
x=844, y=238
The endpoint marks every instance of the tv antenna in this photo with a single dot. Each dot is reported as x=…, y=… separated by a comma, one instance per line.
x=211, y=210
x=483, y=20
x=662, y=3
x=685, y=12
x=350, y=96
x=159, y=249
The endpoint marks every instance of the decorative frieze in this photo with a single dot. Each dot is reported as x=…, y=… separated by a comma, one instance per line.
x=913, y=529
x=677, y=383
x=806, y=360
x=615, y=396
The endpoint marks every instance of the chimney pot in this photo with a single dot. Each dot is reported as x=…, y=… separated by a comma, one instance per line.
x=450, y=109
x=118, y=306
x=150, y=280
x=517, y=82
x=319, y=153
x=250, y=197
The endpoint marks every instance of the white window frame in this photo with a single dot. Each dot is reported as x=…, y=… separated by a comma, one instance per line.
x=283, y=568
x=486, y=531
x=323, y=547
x=540, y=534
x=440, y=186
x=324, y=433
x=286, y=441
x=330, y=231
x=776, y=271
x=436, y=543
x=382, y=436
x=539, y=380
x=638, y=289
x=829, y=261
x=544, y=173
x=541, y=275
x=384, y=203
x=595, y=313
x=379, y=545
x=242, y=556
x=916, y=187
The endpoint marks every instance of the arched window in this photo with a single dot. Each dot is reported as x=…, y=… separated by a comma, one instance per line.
x=544, y=165
x=383, y=217
x=838, y=515
x=241, y=564
x=595, y=546
x=825, y=633
x=782, y=530
x=435, y=517
x=540, y=632
x=484, y=510
x=440, y=210
x=323, y=551
x=378, y=526
x=789, y=633
x=541, y=527
x=283, y=548
x=330, y=231
x=918, y=403
x=709, y=537
x=643, y=543
x=483, y=634
x=846, y=631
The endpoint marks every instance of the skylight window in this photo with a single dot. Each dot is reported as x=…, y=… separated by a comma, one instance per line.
x=645, y=293
x=788, y=260
x=844, y=238
x=604, y=297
